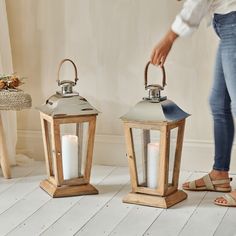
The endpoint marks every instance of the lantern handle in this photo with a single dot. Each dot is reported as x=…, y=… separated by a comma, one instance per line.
x=146, y=76
x=58, y=72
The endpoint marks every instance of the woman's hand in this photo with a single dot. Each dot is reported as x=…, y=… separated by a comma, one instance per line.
x=162, y=49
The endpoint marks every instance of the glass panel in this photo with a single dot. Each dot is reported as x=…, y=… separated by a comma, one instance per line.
x=74, y=139
x=146, y=148
x=173, y=142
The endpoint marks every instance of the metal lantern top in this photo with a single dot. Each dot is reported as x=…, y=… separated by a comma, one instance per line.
x=67, y=102
x=155, y=108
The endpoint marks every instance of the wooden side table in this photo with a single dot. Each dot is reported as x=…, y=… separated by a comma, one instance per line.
x=14, y=101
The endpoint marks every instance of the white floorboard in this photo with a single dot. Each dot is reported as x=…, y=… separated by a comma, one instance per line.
x=27, y=210
x=205, y=218
x=88, y=206
x=107, y=218
x=178, y=215
x=137, y=221
x=134, y=223
x=41, y=219
x=22, y=210
x=18, y=172
x=227, y=227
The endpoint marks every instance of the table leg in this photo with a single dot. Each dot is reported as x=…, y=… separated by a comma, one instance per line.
x=3, y=153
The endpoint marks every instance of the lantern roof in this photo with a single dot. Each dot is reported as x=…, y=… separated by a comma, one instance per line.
x=67, y=102
x=149, y=111
x=58, y=105
x=155, y=108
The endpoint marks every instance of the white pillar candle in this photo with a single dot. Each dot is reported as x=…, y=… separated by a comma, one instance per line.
x=152, y=165
x=70, y=156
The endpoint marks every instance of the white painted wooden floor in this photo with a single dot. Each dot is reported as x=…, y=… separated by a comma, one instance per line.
x=25, y=209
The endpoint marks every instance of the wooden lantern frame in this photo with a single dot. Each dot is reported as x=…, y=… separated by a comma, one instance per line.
x=165, y=195
x=55, y=185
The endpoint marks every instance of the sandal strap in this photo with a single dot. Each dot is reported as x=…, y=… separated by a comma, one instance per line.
x=230, y=199
x=208, y=183
x=192, y=184
x=223, y=189
x=211, y=185
x=222, y=181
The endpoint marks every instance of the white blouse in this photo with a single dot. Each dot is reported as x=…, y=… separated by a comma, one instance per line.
x=194, y=11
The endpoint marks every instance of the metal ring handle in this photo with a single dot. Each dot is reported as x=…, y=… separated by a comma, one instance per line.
x=146, y=76
x=60, y=65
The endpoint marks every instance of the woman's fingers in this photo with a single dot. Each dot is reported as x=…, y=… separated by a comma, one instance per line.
x=155, y=61
x=163, y=59
x=153, y=55
x=162, y=49
x=158, y=54
x=157, y=58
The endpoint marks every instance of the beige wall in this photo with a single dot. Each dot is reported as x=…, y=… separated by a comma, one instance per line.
x=110, y=41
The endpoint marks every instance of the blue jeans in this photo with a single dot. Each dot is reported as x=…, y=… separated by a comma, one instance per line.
x=223, y=95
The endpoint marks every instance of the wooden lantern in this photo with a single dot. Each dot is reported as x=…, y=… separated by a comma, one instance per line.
x=65, y=116
x=153, y=153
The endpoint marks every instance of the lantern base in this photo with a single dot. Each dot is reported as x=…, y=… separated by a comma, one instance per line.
x=67, y=191
x=155, y=201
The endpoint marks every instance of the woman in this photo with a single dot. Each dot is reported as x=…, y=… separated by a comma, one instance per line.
x=223, y=95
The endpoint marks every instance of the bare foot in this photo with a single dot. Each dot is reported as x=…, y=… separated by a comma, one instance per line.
x=222, y=200
x=214, y=175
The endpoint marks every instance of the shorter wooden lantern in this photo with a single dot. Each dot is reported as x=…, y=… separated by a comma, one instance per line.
x=68, y=127
x=153, y=152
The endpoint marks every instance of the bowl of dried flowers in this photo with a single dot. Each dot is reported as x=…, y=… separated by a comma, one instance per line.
x=11, y=97
x=10, y=82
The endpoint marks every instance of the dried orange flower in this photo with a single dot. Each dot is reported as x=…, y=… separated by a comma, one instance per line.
x=2, y=84
x=13, y=82
x=10, y=81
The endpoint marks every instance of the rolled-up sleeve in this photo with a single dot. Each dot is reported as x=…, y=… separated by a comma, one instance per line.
x=190, y=16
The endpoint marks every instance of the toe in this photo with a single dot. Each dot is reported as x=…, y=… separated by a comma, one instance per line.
x=221, y=200
x=185, y=185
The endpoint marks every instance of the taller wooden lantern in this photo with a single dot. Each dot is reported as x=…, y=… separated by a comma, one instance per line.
x=68, y=127
x=154, y=131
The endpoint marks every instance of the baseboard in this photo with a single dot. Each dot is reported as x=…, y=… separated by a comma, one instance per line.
x=110, y=150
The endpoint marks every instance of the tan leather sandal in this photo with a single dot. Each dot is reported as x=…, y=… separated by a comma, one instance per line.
x=231, y=202
x=210, y=185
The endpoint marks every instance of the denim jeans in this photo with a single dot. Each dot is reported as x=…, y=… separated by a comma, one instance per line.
x=223, y=95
